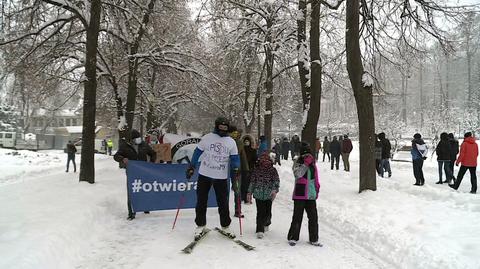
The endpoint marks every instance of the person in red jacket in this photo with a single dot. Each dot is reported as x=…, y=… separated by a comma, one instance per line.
x=347, y=147
x=468, y=159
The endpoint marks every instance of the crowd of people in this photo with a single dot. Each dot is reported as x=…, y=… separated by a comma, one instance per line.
x=249, y=165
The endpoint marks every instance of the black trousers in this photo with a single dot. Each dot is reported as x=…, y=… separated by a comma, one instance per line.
x=245, y=184
x=285, y=155
x=336, y=161
x=221, y=192
x=328, y=154
x=264, y=214
x=71, y=157
x=473, y=177
x=310, y=206
x=452, y=167
x=418, y=172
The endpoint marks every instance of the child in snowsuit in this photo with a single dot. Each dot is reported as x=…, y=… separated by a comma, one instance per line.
x=305, y=195
x=264, y=186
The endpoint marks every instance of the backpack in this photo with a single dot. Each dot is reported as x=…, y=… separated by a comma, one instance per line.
x=422, y=149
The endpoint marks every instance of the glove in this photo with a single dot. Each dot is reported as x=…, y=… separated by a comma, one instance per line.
x=190, y=171
x=249, y=197
x=308, y=160
x=236, y=182
x=273, y=195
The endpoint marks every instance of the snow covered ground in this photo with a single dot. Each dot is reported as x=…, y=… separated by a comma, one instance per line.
x=50, y=220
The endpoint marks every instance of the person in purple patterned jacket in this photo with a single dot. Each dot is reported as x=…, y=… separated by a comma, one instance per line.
x=264, y=186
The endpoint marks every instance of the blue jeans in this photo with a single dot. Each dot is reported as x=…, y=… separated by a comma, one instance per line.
x=385, y=167
x=447, y=168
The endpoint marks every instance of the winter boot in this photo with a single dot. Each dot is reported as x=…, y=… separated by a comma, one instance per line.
x=239, y=215
x=260, y=235
x=439, y=182
x=292, y=242
x=199, y=231
x=316, y=243
x=228, y=231
x=266, y=228
x=131, y=216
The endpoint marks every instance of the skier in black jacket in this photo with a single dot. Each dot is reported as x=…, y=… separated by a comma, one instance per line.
x=444, y=153
x=138, y=150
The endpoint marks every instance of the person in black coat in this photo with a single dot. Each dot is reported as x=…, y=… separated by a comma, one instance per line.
x=444, y=153
x=386, y=154
x=454, y=151
x=71, y=150
x=138, y=150
x=285, y=148
x=335, y=150
x=251, y=154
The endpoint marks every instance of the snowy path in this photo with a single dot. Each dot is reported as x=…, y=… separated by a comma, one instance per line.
x=49, y=220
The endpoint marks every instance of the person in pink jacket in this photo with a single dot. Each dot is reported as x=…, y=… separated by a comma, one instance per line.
x=468, y=159
x=305, y=195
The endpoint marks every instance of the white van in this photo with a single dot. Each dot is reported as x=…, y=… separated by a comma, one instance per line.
x=7, y=139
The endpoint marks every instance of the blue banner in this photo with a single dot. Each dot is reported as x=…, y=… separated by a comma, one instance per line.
x=161, y=186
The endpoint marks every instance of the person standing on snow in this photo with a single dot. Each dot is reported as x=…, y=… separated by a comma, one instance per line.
x=262, y=146
x=305, y=194
x=251, y=154
x=236, y=135
x=444, y=153
x=264, y=186
x=378, y=156
x=109, y=146
x=136, y=149
x=278, y=151
x=419, y=154
x=318, y=147
x=71, y=150
x=335, y=150
x=386, y=148
x=347, y=147
x=219, y=155
x=468, y=159
x=454, y=152
x=326, y=149
x=285, y=148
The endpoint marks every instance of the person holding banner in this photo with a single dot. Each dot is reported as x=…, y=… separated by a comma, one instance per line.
x=236, y=134
x=219, y=154
x=138, y=150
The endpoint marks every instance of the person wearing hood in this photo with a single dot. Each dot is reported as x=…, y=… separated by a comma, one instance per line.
x=305, y=194
x=264, y=186
x=251, y=154
x=419, y=154
x=220, y=160
x=454, y=152
x=135, y=149
x=335, y=150
x=443, y=151
x=468, y=159
x=277, y=149
x=262, y=147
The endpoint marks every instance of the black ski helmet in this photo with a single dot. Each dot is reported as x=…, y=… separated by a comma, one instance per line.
x=221, y=121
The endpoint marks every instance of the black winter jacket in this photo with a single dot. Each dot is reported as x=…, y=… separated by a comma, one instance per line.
x=454, y=149
x=443, y=150
x=126, y=150
x=335, y=148
x=386, y=148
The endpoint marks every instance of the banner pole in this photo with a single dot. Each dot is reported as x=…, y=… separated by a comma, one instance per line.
x=240, y=213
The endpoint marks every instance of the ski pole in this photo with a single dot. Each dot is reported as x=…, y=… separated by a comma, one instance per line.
x=182, y=199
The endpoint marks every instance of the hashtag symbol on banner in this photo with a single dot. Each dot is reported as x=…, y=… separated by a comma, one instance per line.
x=137, y=185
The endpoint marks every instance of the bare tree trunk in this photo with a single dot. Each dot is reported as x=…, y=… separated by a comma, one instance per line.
x=404, y=98
x=269, y=85
x=309, y=132
x=363, y=98
x=421, y=97
x=87, y=162
x=133, y=66
x=301, y=48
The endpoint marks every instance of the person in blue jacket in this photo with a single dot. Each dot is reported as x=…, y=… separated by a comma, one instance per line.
x=262, y=146
x=219, y=156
